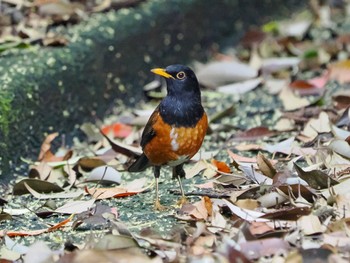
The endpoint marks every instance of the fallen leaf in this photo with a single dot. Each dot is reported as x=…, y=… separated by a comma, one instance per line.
x=291, y=101
x=134, y=187
x=338, y=189
x=316, y=178
x=273, y=198
x=250, y=204
x=344, y=119
x=104, y=174
x=197, y=168
x=197, y=210
x=293, y=213
x=215, y=74
x=22, y=233
x=342, y=101
x=340, y=71
x=238, y=158
x=260, y=228
x=253, y=134
x=118, y=130
x=316, y=126
x=275, y=86
x=284, y=124
x=276, y=64
x=60, y=195
x=252, y=37
x=75, y=207
x=304, y=88
x=221, y=166
x=255, y=176
x=109, y=242
x=245, y=214
x=294, y=28
x=265, y=166
x=127, y=150
x=341, y=147
x=36, y=184
x=208, y=205
x=340, y=133
x=240, y=87
x=310, y=225
x=89, y=163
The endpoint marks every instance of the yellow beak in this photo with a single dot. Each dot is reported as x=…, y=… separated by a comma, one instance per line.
x=162, y=72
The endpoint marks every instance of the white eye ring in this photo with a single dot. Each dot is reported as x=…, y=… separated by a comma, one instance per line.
x=180, y=75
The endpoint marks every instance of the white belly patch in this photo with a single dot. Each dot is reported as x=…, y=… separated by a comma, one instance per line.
x=173, y=138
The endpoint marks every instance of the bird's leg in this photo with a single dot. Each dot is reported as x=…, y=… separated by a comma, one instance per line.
x=179, y=172
x=157, y=205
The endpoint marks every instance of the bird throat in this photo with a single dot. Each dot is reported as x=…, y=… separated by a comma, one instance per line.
x=181, y=112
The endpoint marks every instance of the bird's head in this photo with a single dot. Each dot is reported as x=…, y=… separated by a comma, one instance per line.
x=180, y=79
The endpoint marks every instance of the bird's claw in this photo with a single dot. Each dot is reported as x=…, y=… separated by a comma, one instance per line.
x=182, y=201
x=159, y=207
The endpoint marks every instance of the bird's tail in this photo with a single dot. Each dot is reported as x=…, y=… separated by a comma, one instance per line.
x=140, y=164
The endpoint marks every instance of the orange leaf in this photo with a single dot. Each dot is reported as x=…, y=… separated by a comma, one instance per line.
x=60, y=224
x=35, y=232
x=222, y=167
x=300, y=84
x=208, y=205
x=119, y=130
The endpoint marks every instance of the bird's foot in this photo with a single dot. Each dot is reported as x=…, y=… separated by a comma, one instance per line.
x=158, y=206
x=182, y=201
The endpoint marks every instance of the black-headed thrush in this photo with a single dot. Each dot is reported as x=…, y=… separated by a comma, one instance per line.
x=176, y=129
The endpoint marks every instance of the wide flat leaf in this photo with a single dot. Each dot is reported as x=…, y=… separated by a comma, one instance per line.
x=316, y=178
x=36, y=184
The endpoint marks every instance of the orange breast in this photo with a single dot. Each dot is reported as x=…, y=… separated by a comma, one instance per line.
x=172, y=144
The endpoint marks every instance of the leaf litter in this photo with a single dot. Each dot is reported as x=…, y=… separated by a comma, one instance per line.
x=270, y=183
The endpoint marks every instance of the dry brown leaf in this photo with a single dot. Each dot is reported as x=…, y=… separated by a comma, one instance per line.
x=132, y=188
x=310, y=225
x=291, y=101
x=315, y=178
x=292, y=214
x=239, y=158
x=260, y=228
x=265, y=166
x=248, y=147
x=340, y=71
x=339, y=239
x=199, y=167
x=208, y=205
x=197, y=210
x=316, y=126
x=304, y=87
x=250, y=204
x=253, y=134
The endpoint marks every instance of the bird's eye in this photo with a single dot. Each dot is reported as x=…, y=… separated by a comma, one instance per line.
x=180, y=75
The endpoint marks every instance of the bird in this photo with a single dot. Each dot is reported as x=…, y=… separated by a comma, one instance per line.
x=175, y=130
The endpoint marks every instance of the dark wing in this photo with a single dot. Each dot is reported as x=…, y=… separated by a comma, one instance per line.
x=140, y=164
x=148, y=133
